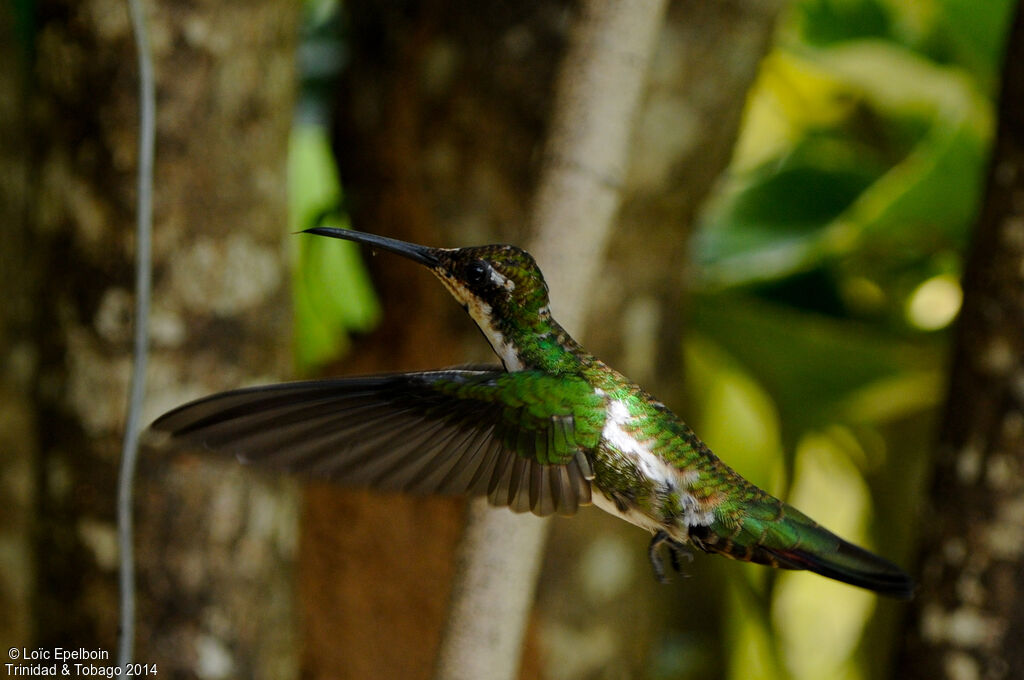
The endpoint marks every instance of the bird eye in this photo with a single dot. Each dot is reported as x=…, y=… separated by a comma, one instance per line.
x=477, y=272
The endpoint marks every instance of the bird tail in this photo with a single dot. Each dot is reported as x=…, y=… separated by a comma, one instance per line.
x=790, y=539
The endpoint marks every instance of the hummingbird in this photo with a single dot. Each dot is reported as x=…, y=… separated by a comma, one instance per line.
x=551, y=429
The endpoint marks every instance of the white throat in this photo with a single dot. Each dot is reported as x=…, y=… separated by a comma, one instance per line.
x=506, y=351
x=480, y=312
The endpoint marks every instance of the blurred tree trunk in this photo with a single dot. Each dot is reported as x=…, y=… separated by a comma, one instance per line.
x=706, y=61
x=19, y=276
x=440, y=111
x=574, y=208
x=968, y=618
x=442, y=115
x=213, y=548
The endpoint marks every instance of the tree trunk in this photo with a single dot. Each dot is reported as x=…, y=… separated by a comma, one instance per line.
x=213, y=547
x=706, y=61
x=968, y=618
x=19, y=275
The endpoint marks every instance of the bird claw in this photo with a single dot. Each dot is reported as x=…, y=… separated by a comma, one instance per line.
x=675, y=551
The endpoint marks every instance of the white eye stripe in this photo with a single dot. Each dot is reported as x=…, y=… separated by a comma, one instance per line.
x=501, y=280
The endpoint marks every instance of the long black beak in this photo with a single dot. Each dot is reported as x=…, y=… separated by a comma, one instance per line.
x=422, y=254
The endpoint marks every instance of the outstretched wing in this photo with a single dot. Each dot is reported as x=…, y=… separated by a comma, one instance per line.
x=520, y=438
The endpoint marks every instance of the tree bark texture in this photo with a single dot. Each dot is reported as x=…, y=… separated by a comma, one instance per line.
x=214, y=546
x=442, y=115
x=968, y=618
x=19, y=276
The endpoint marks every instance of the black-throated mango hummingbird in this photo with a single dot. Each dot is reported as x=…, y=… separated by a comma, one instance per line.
x=551, y=429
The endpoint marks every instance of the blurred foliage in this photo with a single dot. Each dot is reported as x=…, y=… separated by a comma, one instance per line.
x=828, y=267
x=331, y=290
x=858, y=154
x=815, y=368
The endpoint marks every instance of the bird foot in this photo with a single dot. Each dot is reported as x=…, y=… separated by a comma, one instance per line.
x=676, y=550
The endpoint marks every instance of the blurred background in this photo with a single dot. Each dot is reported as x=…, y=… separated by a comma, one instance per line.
x=785, y=272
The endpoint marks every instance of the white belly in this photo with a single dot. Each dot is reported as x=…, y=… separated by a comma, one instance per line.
x=631, y=515
x=663, y=477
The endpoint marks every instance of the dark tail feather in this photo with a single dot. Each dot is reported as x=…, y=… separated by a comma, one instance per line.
x=779, y=535
x=851, y=564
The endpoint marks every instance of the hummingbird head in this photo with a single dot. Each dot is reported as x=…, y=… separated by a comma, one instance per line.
x=500, y=286
x=493, y=280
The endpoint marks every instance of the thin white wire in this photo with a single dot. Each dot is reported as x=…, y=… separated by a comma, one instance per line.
x=140, y=354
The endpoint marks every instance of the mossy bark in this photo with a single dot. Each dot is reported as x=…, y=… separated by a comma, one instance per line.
x=214, y=548
x=967, y=620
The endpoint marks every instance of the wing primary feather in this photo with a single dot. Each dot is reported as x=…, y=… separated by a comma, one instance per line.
x=255, y=436
x=497, y=488
x=230, y=405
x=486, y=477
x=519, y=489
x=581, y=483
x=330, y=452
x=470, y=464
x=536, y=492
x=561, y=490
x=304, y=445
x=406, y=469
x=468, y=455
x=371, y=463
x=520, y=470
x=443, y=463
x=410, y=456
x=548, y=500
x=222, y=426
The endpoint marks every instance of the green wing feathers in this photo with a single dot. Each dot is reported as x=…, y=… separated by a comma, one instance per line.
x=774, y=533
x=544, y=418
x=521, y=439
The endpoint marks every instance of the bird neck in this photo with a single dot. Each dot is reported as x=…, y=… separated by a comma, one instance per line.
x=539, y=343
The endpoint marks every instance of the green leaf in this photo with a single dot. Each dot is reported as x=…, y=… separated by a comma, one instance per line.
x=332, y=292
x=753, y=654
x=738, y=419
x=973, y=34
x=903, y=166
x=820, y=370
x=772, y=223
x=828, y=21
